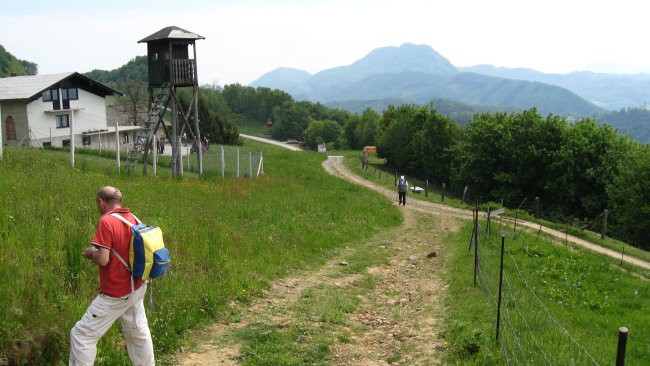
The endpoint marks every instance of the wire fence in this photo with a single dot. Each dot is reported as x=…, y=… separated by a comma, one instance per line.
x=226, y=161
x=528, y=333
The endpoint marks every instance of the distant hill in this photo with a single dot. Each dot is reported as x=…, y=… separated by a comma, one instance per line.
x=288, y=78
x=418, y=74
x=460, y=112
x=9, y=65
x=609, y=91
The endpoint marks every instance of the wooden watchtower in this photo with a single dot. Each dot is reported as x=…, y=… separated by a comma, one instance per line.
x=171, y=67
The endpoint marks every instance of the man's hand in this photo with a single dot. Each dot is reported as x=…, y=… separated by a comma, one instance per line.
x=97, y=255
x=89, y=252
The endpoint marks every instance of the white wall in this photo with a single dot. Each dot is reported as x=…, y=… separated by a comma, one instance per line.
x=91, y=116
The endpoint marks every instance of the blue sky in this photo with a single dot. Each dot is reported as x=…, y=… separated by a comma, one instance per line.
x=245, y=39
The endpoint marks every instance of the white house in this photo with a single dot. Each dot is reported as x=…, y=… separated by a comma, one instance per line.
x=50, y=110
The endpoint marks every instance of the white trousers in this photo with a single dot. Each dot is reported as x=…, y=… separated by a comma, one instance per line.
x=99, y=317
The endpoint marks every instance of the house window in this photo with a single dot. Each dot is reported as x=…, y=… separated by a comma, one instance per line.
x=10, y=128
x=62, y=121
x=85, y=140
x=65, y=143
x=125, y=138
x=50, y=95
x=69, y=94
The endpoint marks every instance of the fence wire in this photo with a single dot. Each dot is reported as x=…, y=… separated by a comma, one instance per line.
x=229, y=161
x=529, y=334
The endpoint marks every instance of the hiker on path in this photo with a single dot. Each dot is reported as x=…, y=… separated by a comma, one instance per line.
x=402, y=187
x=115, y=297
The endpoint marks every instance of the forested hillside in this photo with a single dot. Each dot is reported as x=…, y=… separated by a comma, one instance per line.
x=133, y=71
x=634, y=122
x=9, y=65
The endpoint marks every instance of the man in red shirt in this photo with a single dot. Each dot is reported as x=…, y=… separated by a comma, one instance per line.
x=116, y=299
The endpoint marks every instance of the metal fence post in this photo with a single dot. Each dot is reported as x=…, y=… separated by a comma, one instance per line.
x=503, y=245
x=476, y=249
x=622, y=344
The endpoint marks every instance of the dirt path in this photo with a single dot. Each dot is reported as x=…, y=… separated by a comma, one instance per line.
x=269, y=141
x=397, y=321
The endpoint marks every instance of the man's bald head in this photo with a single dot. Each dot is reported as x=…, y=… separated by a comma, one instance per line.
x=110, y=195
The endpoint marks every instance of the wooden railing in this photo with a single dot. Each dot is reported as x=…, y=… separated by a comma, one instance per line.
x=182, y=71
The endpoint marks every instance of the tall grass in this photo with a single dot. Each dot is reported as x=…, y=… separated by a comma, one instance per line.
x=561, y=305
x=228, y=238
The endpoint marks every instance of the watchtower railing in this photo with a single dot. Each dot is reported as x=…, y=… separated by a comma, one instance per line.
x=182, y=71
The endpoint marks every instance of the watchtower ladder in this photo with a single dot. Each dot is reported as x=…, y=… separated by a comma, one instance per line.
x=144, y=137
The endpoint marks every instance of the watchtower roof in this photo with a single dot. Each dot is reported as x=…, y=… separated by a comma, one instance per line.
x=172, y=32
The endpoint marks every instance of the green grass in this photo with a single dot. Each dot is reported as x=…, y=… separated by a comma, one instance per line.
x=250, y=126
x=589, y=295
x=228, y=238
x=593, y=237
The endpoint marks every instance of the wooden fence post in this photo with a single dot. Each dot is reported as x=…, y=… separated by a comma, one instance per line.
x=443, y=193
x=602, y=233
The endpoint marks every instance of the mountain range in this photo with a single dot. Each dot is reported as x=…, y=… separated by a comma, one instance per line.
x=418, y=74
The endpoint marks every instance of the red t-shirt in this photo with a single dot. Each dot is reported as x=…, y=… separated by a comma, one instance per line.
x=114, y=278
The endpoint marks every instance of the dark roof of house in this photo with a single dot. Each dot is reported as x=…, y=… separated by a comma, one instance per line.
x=33, y=86
x=172, y=32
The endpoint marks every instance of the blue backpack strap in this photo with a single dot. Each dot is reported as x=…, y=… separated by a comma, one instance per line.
x=128, y=268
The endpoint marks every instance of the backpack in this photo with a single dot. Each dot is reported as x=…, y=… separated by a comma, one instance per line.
x=147, y=253
x=402, y=185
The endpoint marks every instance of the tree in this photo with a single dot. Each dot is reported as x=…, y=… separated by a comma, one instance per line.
x=435, y=144
x=290, y=121
x=396, y=142
x=367, y=128
x=629, y=194
x=320, y=132
x=507, y=156
x=584, y=166
x=214, y=125
x=134, y=100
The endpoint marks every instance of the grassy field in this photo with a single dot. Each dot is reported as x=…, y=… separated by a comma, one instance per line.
x=228, y=238
x=249, y=126
x=560, y=305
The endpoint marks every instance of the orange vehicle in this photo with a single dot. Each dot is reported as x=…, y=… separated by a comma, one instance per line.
x=370, y=150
